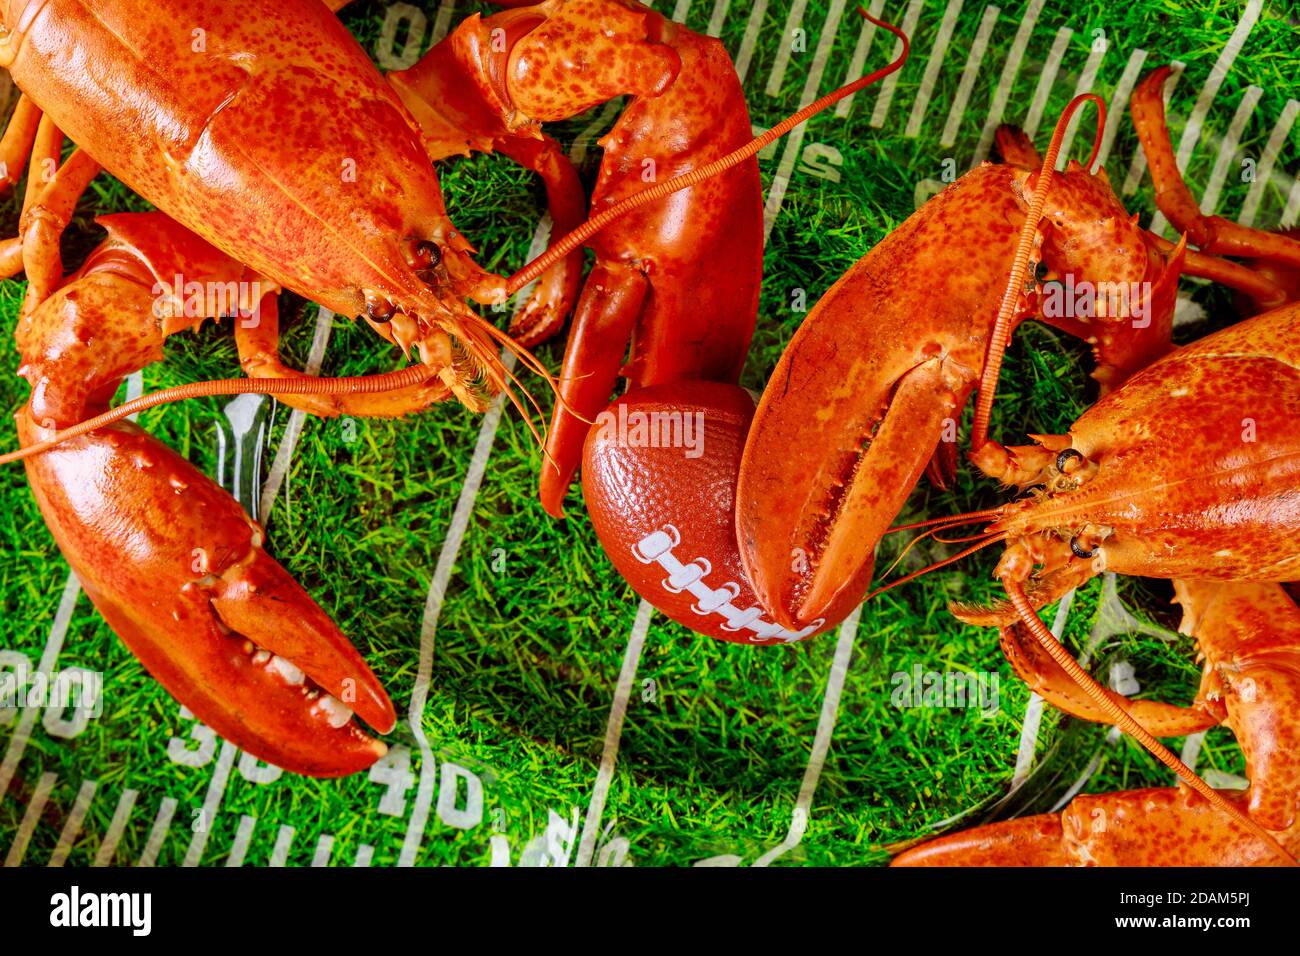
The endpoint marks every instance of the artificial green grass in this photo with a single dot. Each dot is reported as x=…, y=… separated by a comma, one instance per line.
x=527, y=652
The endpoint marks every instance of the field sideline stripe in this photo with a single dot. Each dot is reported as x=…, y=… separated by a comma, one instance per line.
x=72, y=826
x=1264, y=171
x=283, y=841
x=974, y=60
x=821, y=740
x=1010, y=71
x=437, y=592
x=1043, y=91
x=614, y=732
x=279, y=471
x=1034, y=708
x=932, y=68
x=116, y=827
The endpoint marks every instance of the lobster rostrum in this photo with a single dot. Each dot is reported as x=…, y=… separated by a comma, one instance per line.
x=281, y=159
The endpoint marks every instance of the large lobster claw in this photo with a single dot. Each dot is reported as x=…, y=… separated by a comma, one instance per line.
x=177, y=569
x=857, y=405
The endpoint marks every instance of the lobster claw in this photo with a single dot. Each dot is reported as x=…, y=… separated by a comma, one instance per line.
x=177, y=569
x=852, y=416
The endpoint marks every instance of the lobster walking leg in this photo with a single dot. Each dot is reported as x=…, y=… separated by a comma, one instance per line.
x=168, y=557
x=259, y=356
x=1211, y=234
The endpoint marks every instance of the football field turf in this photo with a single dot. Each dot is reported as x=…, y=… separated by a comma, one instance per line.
x=547, y=717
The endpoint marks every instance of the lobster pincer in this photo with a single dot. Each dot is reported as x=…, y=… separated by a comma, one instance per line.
x=169, y=558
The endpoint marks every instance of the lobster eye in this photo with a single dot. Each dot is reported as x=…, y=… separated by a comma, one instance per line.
x=1079, y=551
x=1068, y=457
x=430, y=253
x=1040, y=271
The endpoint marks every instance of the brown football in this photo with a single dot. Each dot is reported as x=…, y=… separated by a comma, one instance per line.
x=659, y=477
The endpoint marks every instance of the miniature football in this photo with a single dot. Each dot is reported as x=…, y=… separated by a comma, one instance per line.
x=659, y=476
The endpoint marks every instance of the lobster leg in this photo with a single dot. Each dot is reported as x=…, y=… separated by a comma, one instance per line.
x=259, y=356
x=19, y=136
x=1167, y=826
x=47, y=208
x=612, y=303
x=1211, y=234
x=168, y=557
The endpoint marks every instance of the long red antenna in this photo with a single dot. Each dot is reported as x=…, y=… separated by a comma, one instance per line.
x=347, y=385
x=1002, y=327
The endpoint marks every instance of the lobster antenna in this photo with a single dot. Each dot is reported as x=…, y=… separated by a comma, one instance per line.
x=1125, y=721
x=593, y=225
x=991, y=539
x=1002, y=327
x=346, y=385
x=955, y=521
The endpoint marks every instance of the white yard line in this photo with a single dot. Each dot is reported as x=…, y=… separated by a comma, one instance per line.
x=1292, y=209
x=1117, y=109
x=613, y=733
x=166, y=810
x=933, y=66
x=1264, y=171
x=211, y=803
x=794, y=141
x=27, y=716
x=793, y=22
x=116, y=827
x=859, y=60
x=1227, y=157
x=365, y=853
x=243, y=839
x=325, y=845
x=72, y=825
x=283, y=841
x=886, y=94
x=1196, y=121
x=1051, y=67
x=821, y=740
x=681, y=10
x=717, y=18
x=32, y=816
x=974, y=60
x=437, y=592
x=1010, y=71
x=746, y=54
